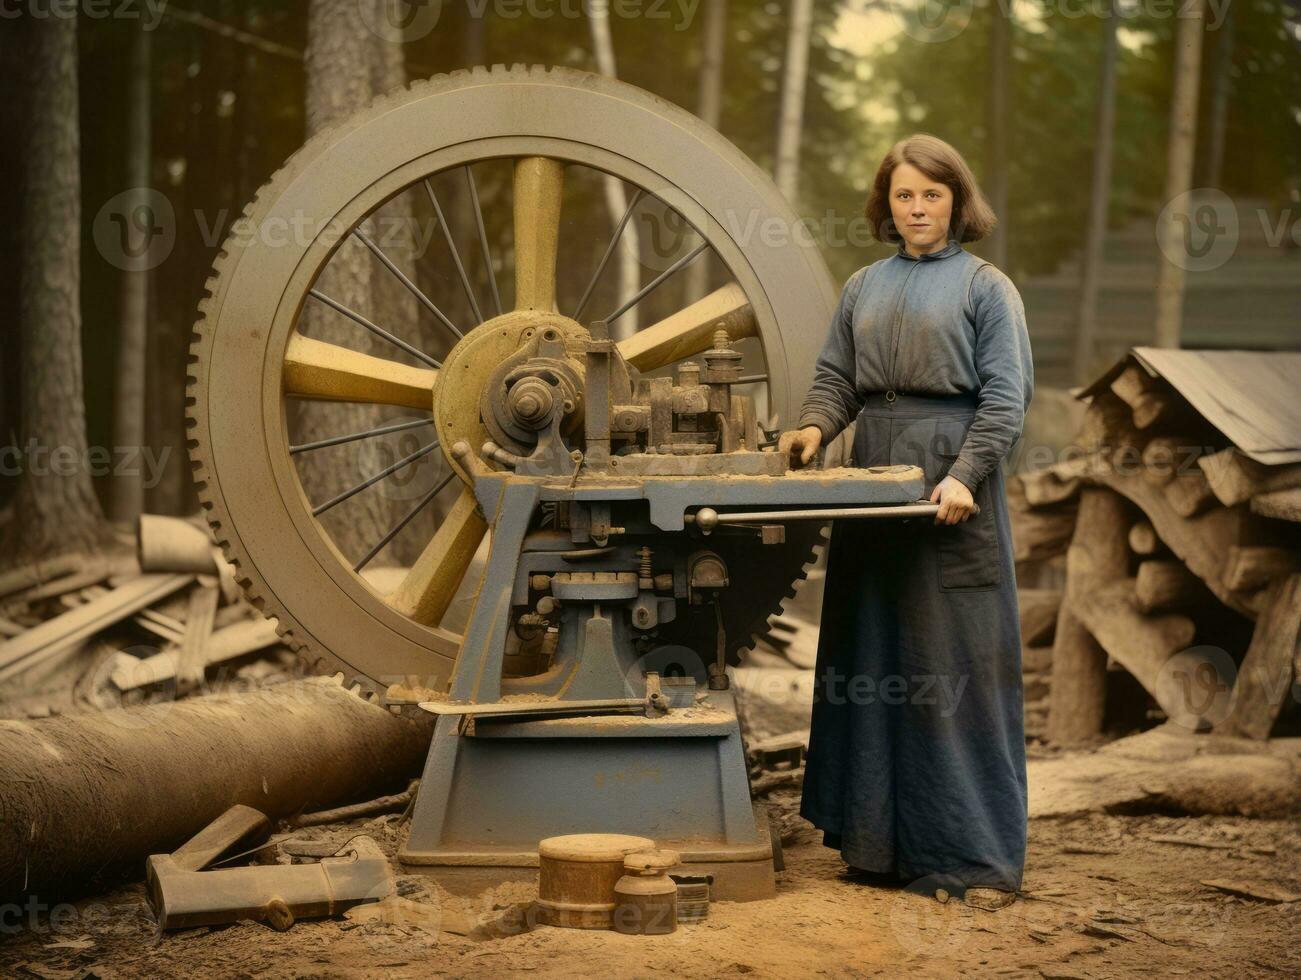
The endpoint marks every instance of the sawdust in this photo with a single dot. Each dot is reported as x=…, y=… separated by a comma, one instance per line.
x=1127, y=905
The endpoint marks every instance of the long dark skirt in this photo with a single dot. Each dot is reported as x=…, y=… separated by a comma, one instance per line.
x=916, y=758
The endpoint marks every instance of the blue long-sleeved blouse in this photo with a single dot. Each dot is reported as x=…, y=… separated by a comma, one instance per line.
x=947, y=323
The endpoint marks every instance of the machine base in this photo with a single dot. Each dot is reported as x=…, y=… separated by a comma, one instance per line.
x=493, y=789
x=741, y=874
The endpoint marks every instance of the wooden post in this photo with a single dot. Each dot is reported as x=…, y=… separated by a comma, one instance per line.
x=1098, y=549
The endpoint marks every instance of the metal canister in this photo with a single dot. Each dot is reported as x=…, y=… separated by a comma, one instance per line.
x=693, y=896
x=577, y=874
x=646, y=898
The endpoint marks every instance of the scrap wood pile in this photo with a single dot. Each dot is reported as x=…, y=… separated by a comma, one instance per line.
x=1178, y=519
x=107, y=630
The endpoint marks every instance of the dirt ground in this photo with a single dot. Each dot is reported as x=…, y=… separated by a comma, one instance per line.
x=1102, y=899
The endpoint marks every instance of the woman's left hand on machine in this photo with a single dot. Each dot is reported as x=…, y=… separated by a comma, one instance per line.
x=955, y=500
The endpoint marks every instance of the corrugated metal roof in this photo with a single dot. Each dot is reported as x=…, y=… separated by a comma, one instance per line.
x=1253, y=397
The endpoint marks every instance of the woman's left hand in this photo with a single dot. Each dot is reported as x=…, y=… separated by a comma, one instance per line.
x=955, y=500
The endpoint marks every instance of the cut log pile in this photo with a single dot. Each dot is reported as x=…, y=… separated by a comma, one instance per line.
x=114, y=629
x=1183, y=568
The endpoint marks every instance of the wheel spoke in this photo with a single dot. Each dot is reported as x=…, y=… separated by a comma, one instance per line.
x=402, y=277
x=430, y=586
x=370, y=481
x=539, y=182
x=383, y=430
x=378, y=331
x=690, y=331
x=483, y=237
x=396, y=529
x=315, y=369
x=658, y=281
x=456, y=256
x=609, y=253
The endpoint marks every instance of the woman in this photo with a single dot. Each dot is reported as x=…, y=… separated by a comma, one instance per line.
x=916, y=765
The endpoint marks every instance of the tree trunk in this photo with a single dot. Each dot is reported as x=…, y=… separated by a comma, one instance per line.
x=1221, y=89
x=1099, y=204
x=1000, y=97
x=289, y=748
x=1177, y=216
x=133, y=328
x=713, y=49
x=55, y=505
x=339, y=62
x=615, y=198
x=791, y=124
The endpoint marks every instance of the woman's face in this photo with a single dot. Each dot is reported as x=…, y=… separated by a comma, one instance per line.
x=921, y=208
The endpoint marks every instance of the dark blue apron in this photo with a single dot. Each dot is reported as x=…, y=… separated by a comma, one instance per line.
x=916, y=760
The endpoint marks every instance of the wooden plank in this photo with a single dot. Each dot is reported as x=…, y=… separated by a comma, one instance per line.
x=233, y=641
x=17, y=579
x=75, y=582
x=61, y=632
x=198, y=629
x=1264, y=679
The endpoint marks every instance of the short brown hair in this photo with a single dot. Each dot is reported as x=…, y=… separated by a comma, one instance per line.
x=972, y=219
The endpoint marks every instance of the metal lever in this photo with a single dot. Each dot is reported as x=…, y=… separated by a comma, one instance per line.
x=707, y=518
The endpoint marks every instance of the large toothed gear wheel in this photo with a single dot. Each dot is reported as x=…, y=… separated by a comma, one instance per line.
x=249, y=360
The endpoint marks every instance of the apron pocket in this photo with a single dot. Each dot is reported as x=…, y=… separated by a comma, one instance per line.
x=969, y=551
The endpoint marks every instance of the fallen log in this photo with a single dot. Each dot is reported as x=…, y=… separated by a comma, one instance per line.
x=1236, y=479
x=1042, y=532
x=1168, y=769
x=1164, y=584
x=1283, y=505
x=1143, y=539
x=1201, y=541
x=86, y=798
x=1247, y=569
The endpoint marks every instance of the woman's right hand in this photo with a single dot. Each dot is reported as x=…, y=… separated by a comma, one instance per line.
x=801, y=445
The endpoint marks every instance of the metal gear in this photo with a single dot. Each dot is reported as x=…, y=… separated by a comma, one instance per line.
x=247, y=356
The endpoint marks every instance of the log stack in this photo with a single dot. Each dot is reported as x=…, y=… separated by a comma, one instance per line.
x=1182, y=564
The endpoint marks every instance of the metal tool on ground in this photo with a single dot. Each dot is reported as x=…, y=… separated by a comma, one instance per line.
x=183, y=894
x=577, y=874
x=646, y=898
